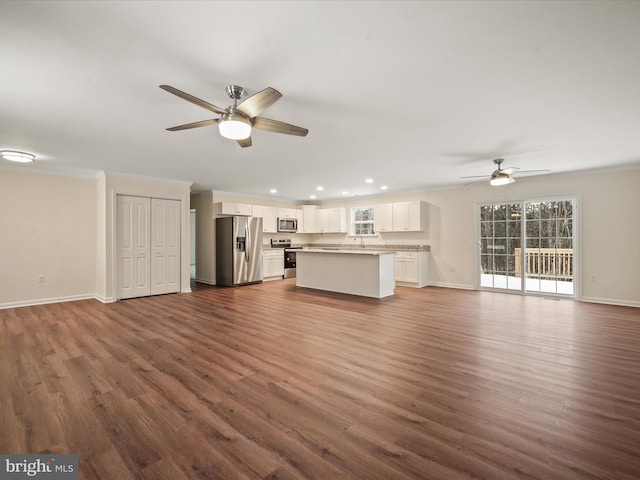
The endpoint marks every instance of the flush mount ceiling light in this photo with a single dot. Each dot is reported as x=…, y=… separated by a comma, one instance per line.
x=15, y=156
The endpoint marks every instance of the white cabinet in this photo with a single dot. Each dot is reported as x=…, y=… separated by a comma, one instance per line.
x=411, y=269
x=410, y=216
x=300, y=217
x=338, y=219
x=269, y=217
x=287, y=213
x=309, y=219
x=323, y=223
x=226, y=208
x=383, y=217
x=331, y=220
x=272, y=264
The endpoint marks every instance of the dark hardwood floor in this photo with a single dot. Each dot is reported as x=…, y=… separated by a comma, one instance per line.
x=274, y=382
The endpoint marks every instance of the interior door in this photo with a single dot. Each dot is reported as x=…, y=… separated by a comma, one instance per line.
x=165, y=242
x=133, y=246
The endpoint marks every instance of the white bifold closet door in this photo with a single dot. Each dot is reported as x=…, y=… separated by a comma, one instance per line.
x=148, y=246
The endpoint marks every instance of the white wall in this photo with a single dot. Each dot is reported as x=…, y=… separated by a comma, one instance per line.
x=205, y=246
x=47, y=227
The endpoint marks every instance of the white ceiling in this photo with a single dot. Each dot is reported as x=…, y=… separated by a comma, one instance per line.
x=411, y=94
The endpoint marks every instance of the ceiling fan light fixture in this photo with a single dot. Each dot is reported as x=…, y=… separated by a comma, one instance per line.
x=15, y=156
x=500, y=178
x=234, y=126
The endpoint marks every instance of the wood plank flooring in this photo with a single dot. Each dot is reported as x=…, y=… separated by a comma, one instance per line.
x=271, y=381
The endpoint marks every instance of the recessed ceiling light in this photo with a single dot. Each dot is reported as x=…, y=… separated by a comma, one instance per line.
x=15, y=156
x=369, y=180
x=273, y=190
x=383, y=187
x=312, y=197
x=319, y=188
x=345, y=193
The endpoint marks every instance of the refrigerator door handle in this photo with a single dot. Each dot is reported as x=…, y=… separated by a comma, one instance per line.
x=247, y=247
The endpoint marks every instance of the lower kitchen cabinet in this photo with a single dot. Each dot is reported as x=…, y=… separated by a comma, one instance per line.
x=411, y=269
x=272, y=264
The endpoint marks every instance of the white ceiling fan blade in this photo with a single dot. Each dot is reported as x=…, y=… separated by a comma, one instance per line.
x=533, y=171
x=477, y=181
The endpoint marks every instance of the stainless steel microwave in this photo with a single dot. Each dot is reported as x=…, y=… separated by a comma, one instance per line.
x=288, y=225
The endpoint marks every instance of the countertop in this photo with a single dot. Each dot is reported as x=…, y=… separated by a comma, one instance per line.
x=356, y=246
x=346, y=251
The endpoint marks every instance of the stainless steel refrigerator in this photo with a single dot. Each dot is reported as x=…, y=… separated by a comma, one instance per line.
x=238, y=251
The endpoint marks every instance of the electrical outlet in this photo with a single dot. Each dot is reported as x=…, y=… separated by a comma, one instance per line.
x=41, y=278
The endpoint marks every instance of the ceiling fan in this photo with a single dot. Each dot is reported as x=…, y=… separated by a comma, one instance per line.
x=502, y=176
x=237, y=120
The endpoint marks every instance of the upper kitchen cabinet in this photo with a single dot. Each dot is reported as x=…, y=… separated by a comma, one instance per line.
x=309, y=219
x=269, y=218
x=226, y=208
x=383, y=217
x=410, y=216
x=287, y=213
x=331, y=220
x=323, y=224
x=338, y=219
x=300, y=217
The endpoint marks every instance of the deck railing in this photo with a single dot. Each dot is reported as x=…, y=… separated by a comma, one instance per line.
x=546, y=263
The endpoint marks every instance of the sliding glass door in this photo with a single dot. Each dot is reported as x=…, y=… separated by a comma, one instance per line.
x=500, y=239
x=528, y=246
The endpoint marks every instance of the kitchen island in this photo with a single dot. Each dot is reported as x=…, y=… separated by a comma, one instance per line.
x=367, y=273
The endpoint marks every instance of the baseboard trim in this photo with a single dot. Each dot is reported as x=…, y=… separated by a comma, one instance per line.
x=452, y=285
x=611, y=301
x=410, y=284
x=44, y=301
x=105, y=299
x=202, y=280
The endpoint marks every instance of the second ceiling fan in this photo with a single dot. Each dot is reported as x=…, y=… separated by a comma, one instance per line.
x=237, y=120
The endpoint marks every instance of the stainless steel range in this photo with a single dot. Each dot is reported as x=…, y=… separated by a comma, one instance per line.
x=289, y=255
